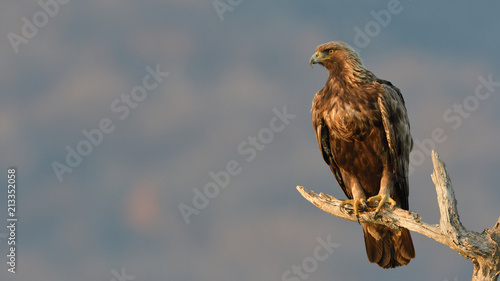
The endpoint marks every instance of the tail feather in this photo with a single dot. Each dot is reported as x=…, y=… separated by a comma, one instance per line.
x=387, y=247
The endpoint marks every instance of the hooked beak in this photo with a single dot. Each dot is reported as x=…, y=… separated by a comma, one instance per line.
x=316, y=58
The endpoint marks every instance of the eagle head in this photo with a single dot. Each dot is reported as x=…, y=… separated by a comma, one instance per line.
x=336, y=55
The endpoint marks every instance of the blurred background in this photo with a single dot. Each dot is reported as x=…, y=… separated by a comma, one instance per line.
x=114, y=180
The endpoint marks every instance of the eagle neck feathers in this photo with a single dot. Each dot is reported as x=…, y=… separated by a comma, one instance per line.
x=351, y=73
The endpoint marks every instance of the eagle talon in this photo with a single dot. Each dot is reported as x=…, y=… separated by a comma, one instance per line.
x=383, y=199
x=356, y=203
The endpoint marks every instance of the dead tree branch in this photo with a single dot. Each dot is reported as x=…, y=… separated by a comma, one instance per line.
x=481, y=248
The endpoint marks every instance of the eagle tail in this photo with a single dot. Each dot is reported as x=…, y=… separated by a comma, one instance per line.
x=388, y=247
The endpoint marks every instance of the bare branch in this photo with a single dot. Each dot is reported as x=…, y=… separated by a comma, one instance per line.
x=481, y=248
x=450, y=221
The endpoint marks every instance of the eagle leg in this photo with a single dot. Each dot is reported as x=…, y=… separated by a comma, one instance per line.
x=386, y=189
x=383, y=199
x=358, y=198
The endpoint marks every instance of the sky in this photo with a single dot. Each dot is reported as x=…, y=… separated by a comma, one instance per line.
x=164, y=140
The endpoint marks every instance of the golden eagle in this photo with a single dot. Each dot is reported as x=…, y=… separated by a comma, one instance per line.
x=363, y=132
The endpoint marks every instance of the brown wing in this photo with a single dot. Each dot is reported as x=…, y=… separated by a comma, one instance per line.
x=399, y=140
x=323, y=138
x=396, y=248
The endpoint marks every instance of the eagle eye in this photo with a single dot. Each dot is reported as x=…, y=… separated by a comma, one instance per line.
x=330, y=51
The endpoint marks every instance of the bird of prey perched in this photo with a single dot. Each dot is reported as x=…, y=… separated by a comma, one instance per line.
x=363, y=132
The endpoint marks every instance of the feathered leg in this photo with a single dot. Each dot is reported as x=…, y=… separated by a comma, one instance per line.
x=358, y=198
x=384, y=194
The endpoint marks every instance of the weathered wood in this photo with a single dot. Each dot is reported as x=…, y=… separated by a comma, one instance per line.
x=481, y=248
